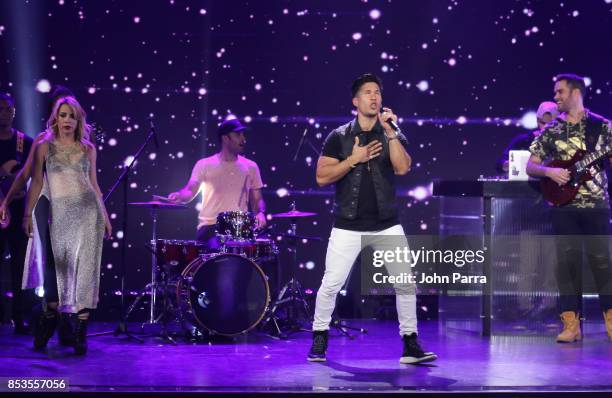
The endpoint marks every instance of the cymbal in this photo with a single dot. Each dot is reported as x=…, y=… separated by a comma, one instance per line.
x=158, y=205
x=293, y=214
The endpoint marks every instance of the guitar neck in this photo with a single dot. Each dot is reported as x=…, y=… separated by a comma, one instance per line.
x=593, y=157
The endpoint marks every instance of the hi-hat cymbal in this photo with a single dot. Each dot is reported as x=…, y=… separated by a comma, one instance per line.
x=293, y=214
x=158, y=205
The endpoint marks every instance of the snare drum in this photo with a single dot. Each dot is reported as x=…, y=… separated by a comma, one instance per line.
x=236, y=225
x=253, y=249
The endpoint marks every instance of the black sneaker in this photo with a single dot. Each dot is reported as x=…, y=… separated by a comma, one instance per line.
x=319, y=346
x=413, y=352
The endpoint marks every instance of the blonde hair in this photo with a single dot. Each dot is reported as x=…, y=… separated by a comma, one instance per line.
x=82, y=131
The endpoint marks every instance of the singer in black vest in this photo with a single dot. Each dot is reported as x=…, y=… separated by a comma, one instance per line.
x=14, y=149
x=362, y=159
x=582, y=225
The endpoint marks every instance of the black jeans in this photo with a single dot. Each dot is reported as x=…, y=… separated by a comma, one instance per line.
x=17, y=240
x=582, y=232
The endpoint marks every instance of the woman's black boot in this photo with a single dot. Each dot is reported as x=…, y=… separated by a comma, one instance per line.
x=80, y=337
x=45, y=327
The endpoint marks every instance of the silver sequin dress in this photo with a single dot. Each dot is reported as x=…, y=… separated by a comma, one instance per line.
x=76, y=227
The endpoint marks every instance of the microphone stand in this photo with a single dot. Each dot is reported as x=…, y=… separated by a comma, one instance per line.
x=303, y=140
x=123, y=179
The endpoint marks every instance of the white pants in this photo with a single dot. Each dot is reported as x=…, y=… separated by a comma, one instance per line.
x=342, y=251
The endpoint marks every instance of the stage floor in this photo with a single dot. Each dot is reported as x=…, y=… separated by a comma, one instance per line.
x=257, y=363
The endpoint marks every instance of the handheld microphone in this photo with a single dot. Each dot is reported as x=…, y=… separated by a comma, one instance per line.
x=392, y=123
x=300, y=144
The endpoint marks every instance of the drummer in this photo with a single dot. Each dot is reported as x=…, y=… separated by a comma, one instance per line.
x=229, y=182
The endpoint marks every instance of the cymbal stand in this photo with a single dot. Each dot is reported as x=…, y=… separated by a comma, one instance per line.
x=292, y=293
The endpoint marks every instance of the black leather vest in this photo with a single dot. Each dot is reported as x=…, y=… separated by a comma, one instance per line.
x=383, y=176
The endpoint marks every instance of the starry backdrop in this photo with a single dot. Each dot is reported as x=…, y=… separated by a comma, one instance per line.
x=464, y=77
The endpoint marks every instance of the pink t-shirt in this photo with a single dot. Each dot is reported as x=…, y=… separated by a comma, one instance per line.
x=225, y=185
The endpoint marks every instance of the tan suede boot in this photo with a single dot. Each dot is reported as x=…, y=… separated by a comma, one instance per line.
x=608, y=318
x=571, y=327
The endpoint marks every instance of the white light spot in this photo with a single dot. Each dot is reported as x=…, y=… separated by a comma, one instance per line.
x=119, y=234
x=310, y=265
x=421, y=192
x=282, y=192
x=128, y=160
x=461, y=120
x=357, y=36
x=179, y=155
x=91, y=90
x=423, y=85
x=43, y=86
x=257, y=87
x=112, y=142
x=452, y=62
x=529, y=120
x=202, y=91
x=152, y=156
x=587, y=81
x=375, y=14
x=136, y=19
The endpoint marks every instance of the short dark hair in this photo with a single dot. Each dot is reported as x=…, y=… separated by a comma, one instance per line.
x=7, y=97
x=361, y=80
x=573, y=81
x=60, y=91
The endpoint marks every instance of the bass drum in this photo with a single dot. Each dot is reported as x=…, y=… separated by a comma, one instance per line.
x=226, y=294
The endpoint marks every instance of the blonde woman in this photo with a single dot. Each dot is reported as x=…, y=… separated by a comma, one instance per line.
x=78, y=220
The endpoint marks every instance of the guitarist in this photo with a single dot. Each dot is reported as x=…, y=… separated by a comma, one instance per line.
x=14, y=149
x=588, y=213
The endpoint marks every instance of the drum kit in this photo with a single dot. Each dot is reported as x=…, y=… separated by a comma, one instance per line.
x=229, y=290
